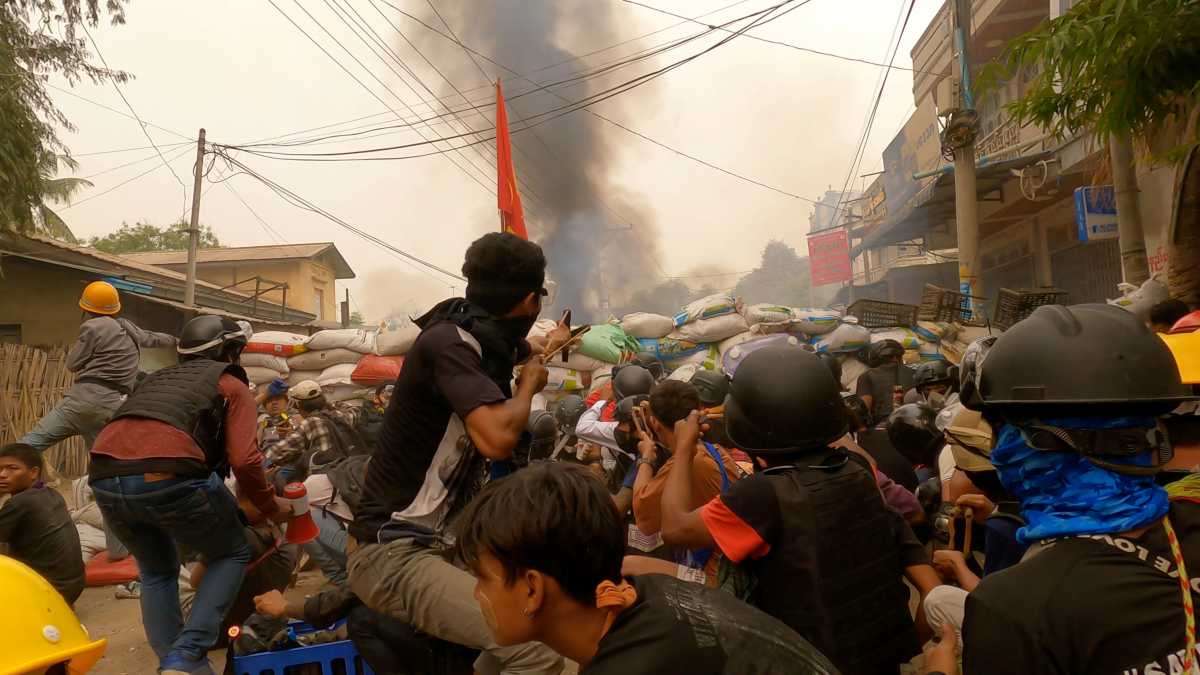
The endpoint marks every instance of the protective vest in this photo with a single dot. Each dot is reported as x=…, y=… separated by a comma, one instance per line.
x=187, y=397
x=833, y=572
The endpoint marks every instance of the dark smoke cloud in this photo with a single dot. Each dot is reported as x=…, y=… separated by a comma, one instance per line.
x=595, y=256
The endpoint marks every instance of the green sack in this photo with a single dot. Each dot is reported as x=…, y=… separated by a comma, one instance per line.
x=608, y=343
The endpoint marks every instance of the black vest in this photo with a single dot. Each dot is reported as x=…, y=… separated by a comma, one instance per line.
x=187, y=397
x=833, y=574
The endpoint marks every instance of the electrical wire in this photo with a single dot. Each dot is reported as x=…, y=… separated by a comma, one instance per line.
x=120, y=150
x=179, y=153
x=68, y=92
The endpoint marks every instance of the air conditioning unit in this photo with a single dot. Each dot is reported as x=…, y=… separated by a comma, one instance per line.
x=947, y=96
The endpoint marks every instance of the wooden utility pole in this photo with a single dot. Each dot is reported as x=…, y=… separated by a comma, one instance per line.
x=189, y=288
x=966, y=216
x=1134, y=267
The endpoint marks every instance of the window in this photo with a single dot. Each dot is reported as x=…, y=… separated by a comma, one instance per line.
x=10, y=333
x=319, y=300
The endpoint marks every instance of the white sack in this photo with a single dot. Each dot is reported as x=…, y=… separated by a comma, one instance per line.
x=1141, y=300
x=276, y=363
x=852, y=369
x=320, y=360
x=336, y=374
x=712, y=330
x=907, y=338
x=848, y=337
x=707, y=308
x=396, y=339
x=354, y=339
x=261, y=375
x=565, y=379
x=340, y=393
x=297, y=376
x=644, y=325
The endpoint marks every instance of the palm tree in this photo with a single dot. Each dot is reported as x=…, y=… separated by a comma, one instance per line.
x=57, y=191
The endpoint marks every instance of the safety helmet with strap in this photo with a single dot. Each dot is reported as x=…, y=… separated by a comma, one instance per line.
x=932, y=373
x=38, y=626
x=914, y=434
x=100, y=297
x=879, y=353
x=712, y=387
x=568, y=410
x=211, y=336
x=631, y=380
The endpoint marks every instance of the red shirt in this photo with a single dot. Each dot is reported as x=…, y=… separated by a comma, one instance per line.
x=609, y=413
x=136, y=438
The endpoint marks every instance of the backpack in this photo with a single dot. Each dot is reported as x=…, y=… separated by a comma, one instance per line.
x=348, y=476
x=370, y=423
x=346, y=441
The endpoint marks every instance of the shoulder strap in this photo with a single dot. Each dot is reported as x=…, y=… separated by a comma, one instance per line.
x=716, y=455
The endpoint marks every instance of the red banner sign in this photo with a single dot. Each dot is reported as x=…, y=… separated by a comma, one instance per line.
x=829, y=257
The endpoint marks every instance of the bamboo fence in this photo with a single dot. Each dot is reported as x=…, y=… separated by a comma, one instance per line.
x=33, y=381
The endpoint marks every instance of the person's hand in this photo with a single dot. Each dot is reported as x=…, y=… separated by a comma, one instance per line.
x=534, y=372
x=271, y=603
x=981, y=505
x=558, y=337
x=948, y=562
x=688, y=430
x=943, y=658
x=284, y=513
x=647, y=449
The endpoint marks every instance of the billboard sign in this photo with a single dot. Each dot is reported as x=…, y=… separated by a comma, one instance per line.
x=829, y=257
x=1096, y=212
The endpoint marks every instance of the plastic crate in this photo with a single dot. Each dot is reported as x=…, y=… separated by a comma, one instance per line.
x=943, y=304
x=289, y=661
x=880, y=314
x=1013, y=306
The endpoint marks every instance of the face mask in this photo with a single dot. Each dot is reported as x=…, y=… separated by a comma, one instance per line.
x=627, y=442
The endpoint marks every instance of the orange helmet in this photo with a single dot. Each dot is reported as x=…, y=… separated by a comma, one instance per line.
x=100, y=297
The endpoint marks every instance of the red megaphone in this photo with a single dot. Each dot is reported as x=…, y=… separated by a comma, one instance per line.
x=300, y=528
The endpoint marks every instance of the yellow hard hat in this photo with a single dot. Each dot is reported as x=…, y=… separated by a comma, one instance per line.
x=100, y=297
x=39, y=628
x=1186, y=349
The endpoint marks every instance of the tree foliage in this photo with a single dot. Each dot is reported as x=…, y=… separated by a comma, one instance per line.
x=146, y=237
x=781, y=278
x=1111, y=66
x=40, y=38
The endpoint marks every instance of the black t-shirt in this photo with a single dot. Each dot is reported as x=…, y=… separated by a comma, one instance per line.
x=681, y=627
x=889, y=460
x=38, y=530
x=878, y=383
x=1087, y=605
x=442, y=382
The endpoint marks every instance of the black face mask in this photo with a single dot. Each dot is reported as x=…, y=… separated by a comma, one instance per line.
x=626, y=441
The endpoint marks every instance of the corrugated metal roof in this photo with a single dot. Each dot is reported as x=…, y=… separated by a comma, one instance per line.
x=231, y=254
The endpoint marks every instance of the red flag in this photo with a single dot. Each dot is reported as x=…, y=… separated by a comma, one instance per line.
x=508, y=199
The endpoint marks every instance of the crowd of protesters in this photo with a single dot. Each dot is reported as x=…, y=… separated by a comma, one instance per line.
x=1032, y=509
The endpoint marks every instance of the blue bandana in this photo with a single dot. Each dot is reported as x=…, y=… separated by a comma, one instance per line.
x=1063, y=494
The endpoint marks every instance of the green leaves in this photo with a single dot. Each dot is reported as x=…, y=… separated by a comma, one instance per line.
x=1110, y=66
x=147, y=237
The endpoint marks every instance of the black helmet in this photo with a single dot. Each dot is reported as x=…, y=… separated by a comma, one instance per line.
x=879, y=353
x=858, y=408
x=1094, y=360
x=931, y=373
x=968, y=372
x=784, y=401
x=212, y=337
x=543, y=432
x=631, y=380
x=626, y=405
x=568, y=410
x=652, y=364
x=833, y=364
x=712, y=386
x=913, y=433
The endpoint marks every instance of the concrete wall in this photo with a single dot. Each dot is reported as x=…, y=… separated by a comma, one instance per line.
x=303, y=277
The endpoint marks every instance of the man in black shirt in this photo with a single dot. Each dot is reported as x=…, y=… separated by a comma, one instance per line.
x=452, y=410
x=35, y=523
x=1073, y=395
x=876, y=388
x=811, y=527
x=546, y=545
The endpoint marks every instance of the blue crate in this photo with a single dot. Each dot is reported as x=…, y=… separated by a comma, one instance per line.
x=325, y=655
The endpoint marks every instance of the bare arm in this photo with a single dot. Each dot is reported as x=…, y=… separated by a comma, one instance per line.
x=496, y=428
x=682, y=526
x=623, y=500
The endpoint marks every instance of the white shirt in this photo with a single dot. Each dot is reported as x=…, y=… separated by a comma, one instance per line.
x=591, y=429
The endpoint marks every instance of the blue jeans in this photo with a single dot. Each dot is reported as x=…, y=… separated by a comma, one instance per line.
x=150, y=518
x=329, y=548
x=71, y=417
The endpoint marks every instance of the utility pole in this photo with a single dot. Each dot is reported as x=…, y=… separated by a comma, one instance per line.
x=346, y=310
x=1134, y=267
x=961, y=130
x=189, y=288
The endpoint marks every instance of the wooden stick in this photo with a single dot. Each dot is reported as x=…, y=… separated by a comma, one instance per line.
x=574, y=339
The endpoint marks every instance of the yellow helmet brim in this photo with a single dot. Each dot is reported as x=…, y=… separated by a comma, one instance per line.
x=1186, y=349
x=80, y=659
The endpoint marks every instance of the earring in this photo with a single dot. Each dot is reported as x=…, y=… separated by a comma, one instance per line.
x=526, y=612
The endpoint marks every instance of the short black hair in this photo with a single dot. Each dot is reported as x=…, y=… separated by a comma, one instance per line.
x=502, y=269
x=553, y=517
x=381, y=388
x=312, y=404
x=672, y=400
x=1169, y=311
x=28, y=455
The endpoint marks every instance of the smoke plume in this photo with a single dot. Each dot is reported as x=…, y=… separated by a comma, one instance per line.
x=600, y=246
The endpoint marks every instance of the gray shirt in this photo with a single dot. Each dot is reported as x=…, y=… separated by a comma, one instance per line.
x=109, y=349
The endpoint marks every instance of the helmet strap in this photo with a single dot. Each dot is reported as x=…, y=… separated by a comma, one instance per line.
x=1098, y=444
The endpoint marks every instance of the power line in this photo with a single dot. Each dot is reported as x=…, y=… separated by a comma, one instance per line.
x=120, y=150
x=179, y=153
x=68, y=92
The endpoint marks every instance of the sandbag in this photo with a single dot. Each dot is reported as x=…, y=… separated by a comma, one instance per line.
x=734, y=356
x=297, y=376
x=373, y=370
x=262, y=375
x=337, y=374
x=816, y=321
x=848, y=337
x=684, y=374
x=644, y=325
x=100, y=572
x=707, y=308
x=578, y=361
x=763, y=313
x=1141, y=300
x=320, y=360
x=565, y=379
x=852, y=369
x=666, y=349
x=935, y=331
x=708, y=359
x=931, y=351
x=907, y=338
x=340, y=393
x=608, y=343
x=276, y=342
x=541, y=328
x=354, y=339
x=277, y=363
x=712, y=330
x=734, y=341
x=396, y=338
x=600, y=378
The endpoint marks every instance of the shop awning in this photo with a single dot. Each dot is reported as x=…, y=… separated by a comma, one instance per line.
x=934, y=204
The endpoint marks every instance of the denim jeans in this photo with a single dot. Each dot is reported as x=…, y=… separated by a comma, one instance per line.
x=71, y=417
x=328, y=550
x=150, y=518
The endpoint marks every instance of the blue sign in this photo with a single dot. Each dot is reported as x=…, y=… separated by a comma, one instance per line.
x=1096, y=212
x=131, y=286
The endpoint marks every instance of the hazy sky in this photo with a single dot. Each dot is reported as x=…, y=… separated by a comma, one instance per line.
x=239, y=69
